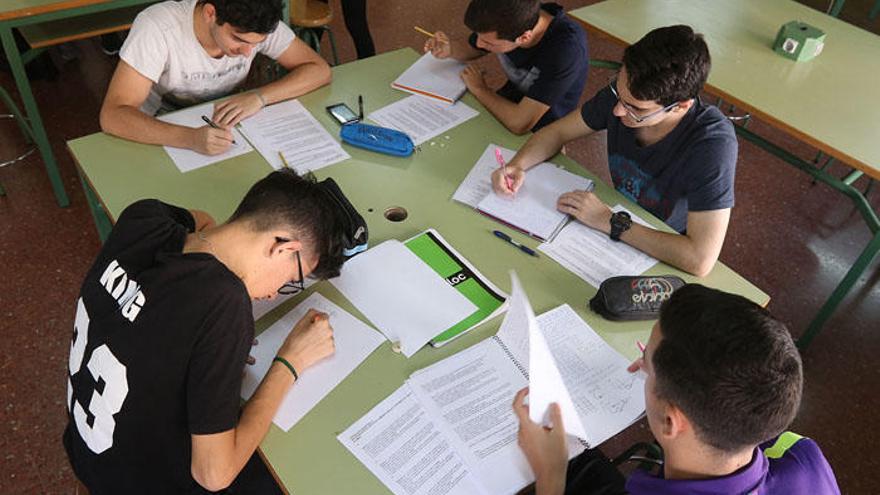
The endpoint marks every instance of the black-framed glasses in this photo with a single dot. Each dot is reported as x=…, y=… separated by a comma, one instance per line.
x=294, y=286
x=630, y=111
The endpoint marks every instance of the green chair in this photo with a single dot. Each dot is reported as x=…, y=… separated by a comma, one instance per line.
x=16, y=115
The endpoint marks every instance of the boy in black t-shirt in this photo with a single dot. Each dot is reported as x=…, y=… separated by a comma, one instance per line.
x=667, y=151
x=542, y=51
x=163, y=328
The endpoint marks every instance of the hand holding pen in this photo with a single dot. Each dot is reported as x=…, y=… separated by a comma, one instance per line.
x=209, y=140
x=438, y=43
x=506, y=180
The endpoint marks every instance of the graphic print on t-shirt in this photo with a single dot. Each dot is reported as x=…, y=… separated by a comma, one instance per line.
x=633, y=182
x=521, y=77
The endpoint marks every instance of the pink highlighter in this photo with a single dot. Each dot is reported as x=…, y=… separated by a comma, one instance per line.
x=500, y=160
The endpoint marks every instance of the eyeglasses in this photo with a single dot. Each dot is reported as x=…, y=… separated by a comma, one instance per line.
x=630, y=111
x=294, y=286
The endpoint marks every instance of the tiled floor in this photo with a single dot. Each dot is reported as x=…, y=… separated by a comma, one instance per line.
x=790, y=238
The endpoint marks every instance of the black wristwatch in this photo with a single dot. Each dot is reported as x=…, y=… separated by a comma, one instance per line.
x=620, y=223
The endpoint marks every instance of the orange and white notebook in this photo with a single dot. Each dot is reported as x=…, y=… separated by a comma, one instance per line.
x=434, y=78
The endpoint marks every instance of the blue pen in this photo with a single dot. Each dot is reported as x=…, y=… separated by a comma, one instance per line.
x=505, y=237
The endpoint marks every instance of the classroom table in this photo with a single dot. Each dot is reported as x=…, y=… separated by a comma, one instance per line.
x=21, y=13
x=308, y=459
x=830, y=102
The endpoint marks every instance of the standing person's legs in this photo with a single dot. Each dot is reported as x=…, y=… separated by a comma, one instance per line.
x=354, y=12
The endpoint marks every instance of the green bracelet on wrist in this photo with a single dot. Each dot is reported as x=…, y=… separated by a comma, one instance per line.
x=289, y=366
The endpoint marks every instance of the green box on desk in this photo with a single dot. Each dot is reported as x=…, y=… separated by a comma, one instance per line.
x=799, y=41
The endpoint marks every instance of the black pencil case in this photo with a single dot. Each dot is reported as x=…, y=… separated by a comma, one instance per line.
x=634, y=298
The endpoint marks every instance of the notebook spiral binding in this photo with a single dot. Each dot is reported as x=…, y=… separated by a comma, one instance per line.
x=516, y=363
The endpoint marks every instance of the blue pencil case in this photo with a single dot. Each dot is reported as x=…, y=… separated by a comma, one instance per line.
x=378, y=139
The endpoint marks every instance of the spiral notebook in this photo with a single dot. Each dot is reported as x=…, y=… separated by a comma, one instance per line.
x=457, y=412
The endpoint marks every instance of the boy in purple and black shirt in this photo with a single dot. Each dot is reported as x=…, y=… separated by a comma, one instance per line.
x=723, y=381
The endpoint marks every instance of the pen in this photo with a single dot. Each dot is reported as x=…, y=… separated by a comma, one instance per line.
x=590, y=187
x=215, y=126
x=361, y=107
x=500, y=160
x=641, y=346
x=505, y=237
x=423, y=31
x=286, y=165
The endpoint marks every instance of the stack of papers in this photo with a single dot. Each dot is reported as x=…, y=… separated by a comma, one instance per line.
x=421, y=118
x=401, y=295
x=433, y=78
x=285, y=128
x=533, y=209
x=593, y=256
x=290, y=129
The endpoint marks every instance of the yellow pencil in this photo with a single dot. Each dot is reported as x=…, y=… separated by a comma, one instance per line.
x=286, y=165
x=423, y=31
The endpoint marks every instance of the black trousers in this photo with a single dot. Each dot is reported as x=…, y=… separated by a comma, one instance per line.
x=354, y=13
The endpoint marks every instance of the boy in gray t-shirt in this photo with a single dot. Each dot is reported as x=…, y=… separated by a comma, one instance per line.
x=667, y=151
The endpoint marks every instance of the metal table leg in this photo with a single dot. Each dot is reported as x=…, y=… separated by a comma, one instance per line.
x=102, y=221
x=861, y=203
x=37, y=131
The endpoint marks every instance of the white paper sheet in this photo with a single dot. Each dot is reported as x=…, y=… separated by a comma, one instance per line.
x=402, y=446
x=187, y=160
x=401, y=295
x=608, y=397
x=354, y=342
x=289, y=128
x=421, y=118
x=546, y=385
x=533, y=209
x=434, y=78
x=593, y=256
x=470, y=395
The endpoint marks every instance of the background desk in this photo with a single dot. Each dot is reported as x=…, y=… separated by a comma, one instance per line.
x=830, y=102
x=22, y=13
x=308, y=459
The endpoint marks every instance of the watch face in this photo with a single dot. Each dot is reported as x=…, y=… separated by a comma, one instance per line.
x=621, y=219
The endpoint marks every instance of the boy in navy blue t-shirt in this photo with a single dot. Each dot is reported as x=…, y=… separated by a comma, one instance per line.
x=667, y=151
x=542, y=51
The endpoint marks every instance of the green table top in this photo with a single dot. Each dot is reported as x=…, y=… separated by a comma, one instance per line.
x=308, y=458
x=831, y=102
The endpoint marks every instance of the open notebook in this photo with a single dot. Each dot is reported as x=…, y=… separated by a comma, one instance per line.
x=533, y=209
x=450, y=428
x=434, y=78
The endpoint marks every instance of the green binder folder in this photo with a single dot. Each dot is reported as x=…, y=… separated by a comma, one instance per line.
x=431, y=248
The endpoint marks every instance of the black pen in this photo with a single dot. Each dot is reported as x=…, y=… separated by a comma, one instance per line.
x=215, y=126
x=505, y=237
x=361, y=107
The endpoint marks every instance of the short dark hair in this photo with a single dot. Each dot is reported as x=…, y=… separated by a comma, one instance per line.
x=248, y=16
x=508, y=18
x=283, y=199
x=667, y=65
x=729, y=365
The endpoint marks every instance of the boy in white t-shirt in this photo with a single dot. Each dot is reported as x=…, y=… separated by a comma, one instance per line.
x=180, y=53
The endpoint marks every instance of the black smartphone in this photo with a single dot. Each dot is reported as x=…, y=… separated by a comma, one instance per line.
x=342, y=113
